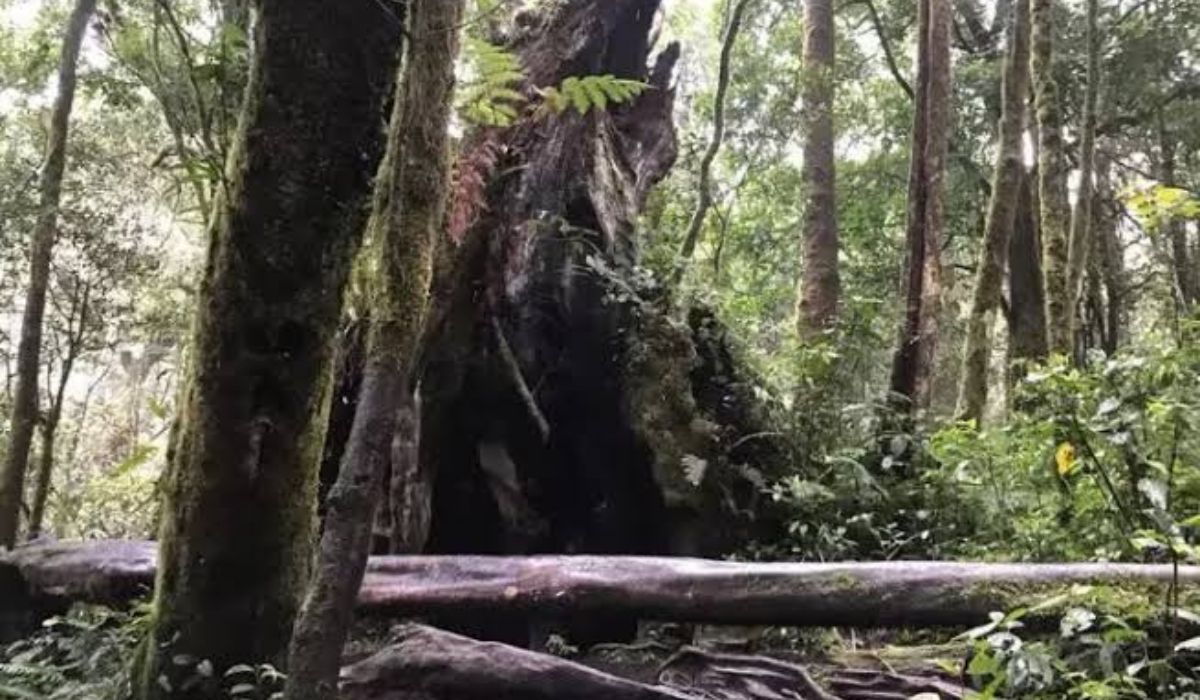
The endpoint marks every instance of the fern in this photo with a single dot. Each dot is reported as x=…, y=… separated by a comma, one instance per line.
x=588, y=92
x=490, y=95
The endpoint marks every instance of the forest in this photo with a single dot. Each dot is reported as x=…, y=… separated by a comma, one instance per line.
x=599, y=349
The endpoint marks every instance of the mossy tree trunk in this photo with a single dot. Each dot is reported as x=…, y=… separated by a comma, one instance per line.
x=29, y=349
x=240, y=492
x=405, y=231
x=913, y=362
x=1002, y=211
x=1081, y=217
x=820, y=286
x=1052, y=180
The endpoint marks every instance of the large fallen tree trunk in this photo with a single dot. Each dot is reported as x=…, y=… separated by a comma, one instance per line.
x=863, y=594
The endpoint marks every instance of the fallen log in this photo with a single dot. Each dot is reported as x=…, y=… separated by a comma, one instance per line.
x=851, y=594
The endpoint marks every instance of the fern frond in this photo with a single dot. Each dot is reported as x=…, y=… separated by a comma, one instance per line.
x=489, y=95
x=588, y=92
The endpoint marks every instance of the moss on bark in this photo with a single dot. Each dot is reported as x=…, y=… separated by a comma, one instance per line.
x=238, y=521
x=1002, y=211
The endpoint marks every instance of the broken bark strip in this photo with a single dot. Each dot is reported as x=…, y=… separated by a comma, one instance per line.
x=852, y=594
x=430, y=664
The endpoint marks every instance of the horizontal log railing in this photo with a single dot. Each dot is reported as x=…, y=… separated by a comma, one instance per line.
x=852, y=594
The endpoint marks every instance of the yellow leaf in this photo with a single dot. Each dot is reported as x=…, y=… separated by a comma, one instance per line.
x=1064, y=458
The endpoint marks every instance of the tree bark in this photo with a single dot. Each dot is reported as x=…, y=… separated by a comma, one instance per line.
x=1027, y=299
x=913, y=363
x=820, y=287
x=1112, y=260
x=695, y=229
x=411, y=488
x=1002, y=210
x=407, y=228
x=240, y=492
x=852, y=594
x=25, y=397
x=1052, y=181
x=1081, y=217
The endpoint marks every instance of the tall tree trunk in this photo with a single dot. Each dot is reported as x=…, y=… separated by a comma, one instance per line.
x=1052, y=181
x=704, y=201
x=820, y=287
x=1002, y=210
x=1081, y=217
x=1112, y=260
x=1186, y=282
x=240, y=489
x=913, y=363
x=407, y=226
x=25, y=397
x=1027, y=299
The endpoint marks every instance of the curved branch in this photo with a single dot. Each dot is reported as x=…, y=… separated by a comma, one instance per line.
x=714, y=146
x=887, y=50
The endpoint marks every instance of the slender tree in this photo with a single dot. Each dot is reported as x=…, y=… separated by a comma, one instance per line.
x=820, y=286
x=78, y=311
x=1112, y=259
x=913, y=362
x=1081, y=216
x=25, y=399
x=1027, y=299
x=240, y=491
x=1002, y=210
x=412, y=213
x=1052, y=180
x=704, y=201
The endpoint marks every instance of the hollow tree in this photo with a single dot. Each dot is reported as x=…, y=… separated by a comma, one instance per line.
x=238, y=518
x=564, y=408
x=1002, y=212
x=25, y=397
